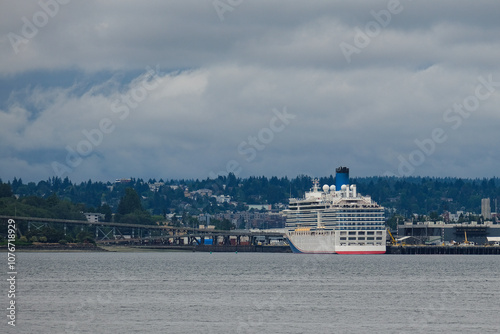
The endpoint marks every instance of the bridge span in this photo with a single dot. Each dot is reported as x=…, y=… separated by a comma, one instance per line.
x=163, y=234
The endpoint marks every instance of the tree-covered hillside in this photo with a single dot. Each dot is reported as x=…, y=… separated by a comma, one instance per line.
x=406, y=196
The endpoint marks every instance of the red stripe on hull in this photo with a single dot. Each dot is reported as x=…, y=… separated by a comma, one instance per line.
x=361, y=252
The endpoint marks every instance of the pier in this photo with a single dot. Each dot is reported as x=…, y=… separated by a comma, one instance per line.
x=222, y=248
x=428, y=249
x=166, y=237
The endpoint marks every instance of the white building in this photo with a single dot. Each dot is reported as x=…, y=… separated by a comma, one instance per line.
x=204, y=192
x=154, y=187
x=93, y=217
x=223, y=198
x=485, y=208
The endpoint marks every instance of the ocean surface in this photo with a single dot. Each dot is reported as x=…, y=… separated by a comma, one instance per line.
x=176, y=292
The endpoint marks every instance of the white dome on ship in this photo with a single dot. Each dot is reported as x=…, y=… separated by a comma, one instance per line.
x=326, y=188
x=344, y=187
x=332, y=188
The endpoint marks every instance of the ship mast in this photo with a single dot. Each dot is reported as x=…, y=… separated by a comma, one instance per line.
x=315, y=185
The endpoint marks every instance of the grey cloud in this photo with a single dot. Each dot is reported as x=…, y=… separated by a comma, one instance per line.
x=222, y=79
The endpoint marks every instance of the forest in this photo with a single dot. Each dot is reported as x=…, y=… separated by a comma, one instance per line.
x=62, y=198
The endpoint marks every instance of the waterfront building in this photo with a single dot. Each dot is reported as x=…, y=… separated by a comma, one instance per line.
x=439, y=232
x=486, y=208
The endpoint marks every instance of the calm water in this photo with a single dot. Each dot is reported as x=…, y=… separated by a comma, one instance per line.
x=169, y=292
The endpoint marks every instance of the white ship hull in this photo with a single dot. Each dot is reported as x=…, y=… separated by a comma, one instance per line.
x=308, y=243
x=312, y=244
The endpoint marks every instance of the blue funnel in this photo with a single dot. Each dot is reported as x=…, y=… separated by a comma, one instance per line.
x=342, y=177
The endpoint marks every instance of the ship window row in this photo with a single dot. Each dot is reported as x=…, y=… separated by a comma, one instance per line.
x=360, y=238
x=321, y=232
x=326, y=207
x=372, y=222
x=310, y=232
x=368, y=212
x=361, y=223
x=361, y=228
x=345, y=228
x=356, y=216
x=362, y=211
x=343, y=225
x=341, y=221
x=353, y=218
x=360, y=233
x=308, y=207
x=355, y=213
x=310, y=219
x=360, y=215
x=335, y=215
x=362, y=244
x=339, y=212
x=356, y=220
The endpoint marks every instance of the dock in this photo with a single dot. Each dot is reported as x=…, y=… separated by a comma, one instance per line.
x=221, y=248
x=451, y=249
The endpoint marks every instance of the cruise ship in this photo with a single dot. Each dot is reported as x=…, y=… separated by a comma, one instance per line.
x=335, y=220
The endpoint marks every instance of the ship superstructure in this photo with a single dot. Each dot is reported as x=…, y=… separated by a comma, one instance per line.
x=336, y=219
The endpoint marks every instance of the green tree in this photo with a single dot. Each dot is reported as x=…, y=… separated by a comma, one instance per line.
x=130, y=202
x=433, y=216
x=5, y=190
x=51, y=234
x=85, y=237
x=137, y=217
x=223, y=224
x=106, y=210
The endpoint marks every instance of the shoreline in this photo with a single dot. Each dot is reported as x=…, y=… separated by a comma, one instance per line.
x=391, y=250
x=55, y=247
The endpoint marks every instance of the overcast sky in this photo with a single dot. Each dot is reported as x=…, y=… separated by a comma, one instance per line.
x=190, y=89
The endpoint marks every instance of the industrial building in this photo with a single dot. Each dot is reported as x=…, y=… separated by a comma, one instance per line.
x=440, y=232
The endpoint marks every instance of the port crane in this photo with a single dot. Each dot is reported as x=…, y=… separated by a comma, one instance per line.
x=467, y=242
x=394, y=241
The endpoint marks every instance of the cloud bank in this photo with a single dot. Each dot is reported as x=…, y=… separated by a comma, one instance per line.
x=155, y=89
